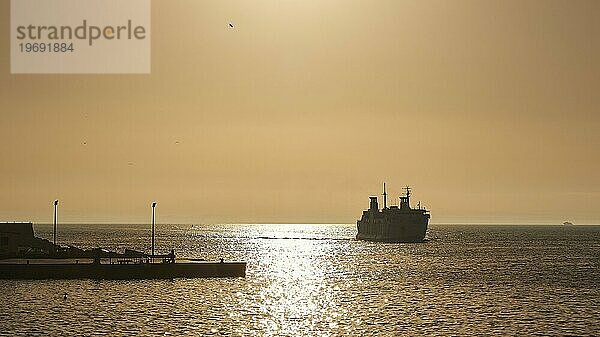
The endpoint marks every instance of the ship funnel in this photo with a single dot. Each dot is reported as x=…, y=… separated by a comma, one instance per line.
x=373, y=206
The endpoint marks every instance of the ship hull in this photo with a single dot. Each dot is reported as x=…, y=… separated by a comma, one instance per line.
x=401, y=228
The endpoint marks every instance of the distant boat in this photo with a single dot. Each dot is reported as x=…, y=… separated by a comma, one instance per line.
x=567, y=223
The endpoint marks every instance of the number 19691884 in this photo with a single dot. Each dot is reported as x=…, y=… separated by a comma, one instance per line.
x=46, y=47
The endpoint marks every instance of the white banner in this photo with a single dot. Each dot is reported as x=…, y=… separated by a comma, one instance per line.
x=80, y=36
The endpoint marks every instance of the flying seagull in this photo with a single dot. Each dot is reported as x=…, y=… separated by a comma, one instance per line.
x=231, y=25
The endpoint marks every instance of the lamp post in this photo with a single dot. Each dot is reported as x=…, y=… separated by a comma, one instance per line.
x=153, y=207
x=55, y=218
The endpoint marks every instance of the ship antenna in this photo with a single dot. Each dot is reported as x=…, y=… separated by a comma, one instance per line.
x=384, y=197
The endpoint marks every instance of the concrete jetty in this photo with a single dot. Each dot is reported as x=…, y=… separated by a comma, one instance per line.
x=116, y=270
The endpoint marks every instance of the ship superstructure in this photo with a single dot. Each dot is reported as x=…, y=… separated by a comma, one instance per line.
x=395, y=223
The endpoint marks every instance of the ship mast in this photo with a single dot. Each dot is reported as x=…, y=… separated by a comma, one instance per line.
x=153, y=207
x=405, y=200
x=55, y=220
x=384, y=197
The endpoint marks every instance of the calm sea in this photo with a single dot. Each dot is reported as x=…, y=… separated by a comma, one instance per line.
x=316, y=280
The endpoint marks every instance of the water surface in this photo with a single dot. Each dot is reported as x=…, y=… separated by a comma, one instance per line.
x=317, y=280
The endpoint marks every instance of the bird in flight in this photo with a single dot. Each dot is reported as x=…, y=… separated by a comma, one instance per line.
x=231, y=25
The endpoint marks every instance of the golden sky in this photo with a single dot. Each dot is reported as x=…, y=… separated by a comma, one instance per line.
x=489, y=109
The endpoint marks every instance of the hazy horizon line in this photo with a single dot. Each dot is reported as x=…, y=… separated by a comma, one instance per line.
x=307, y=223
